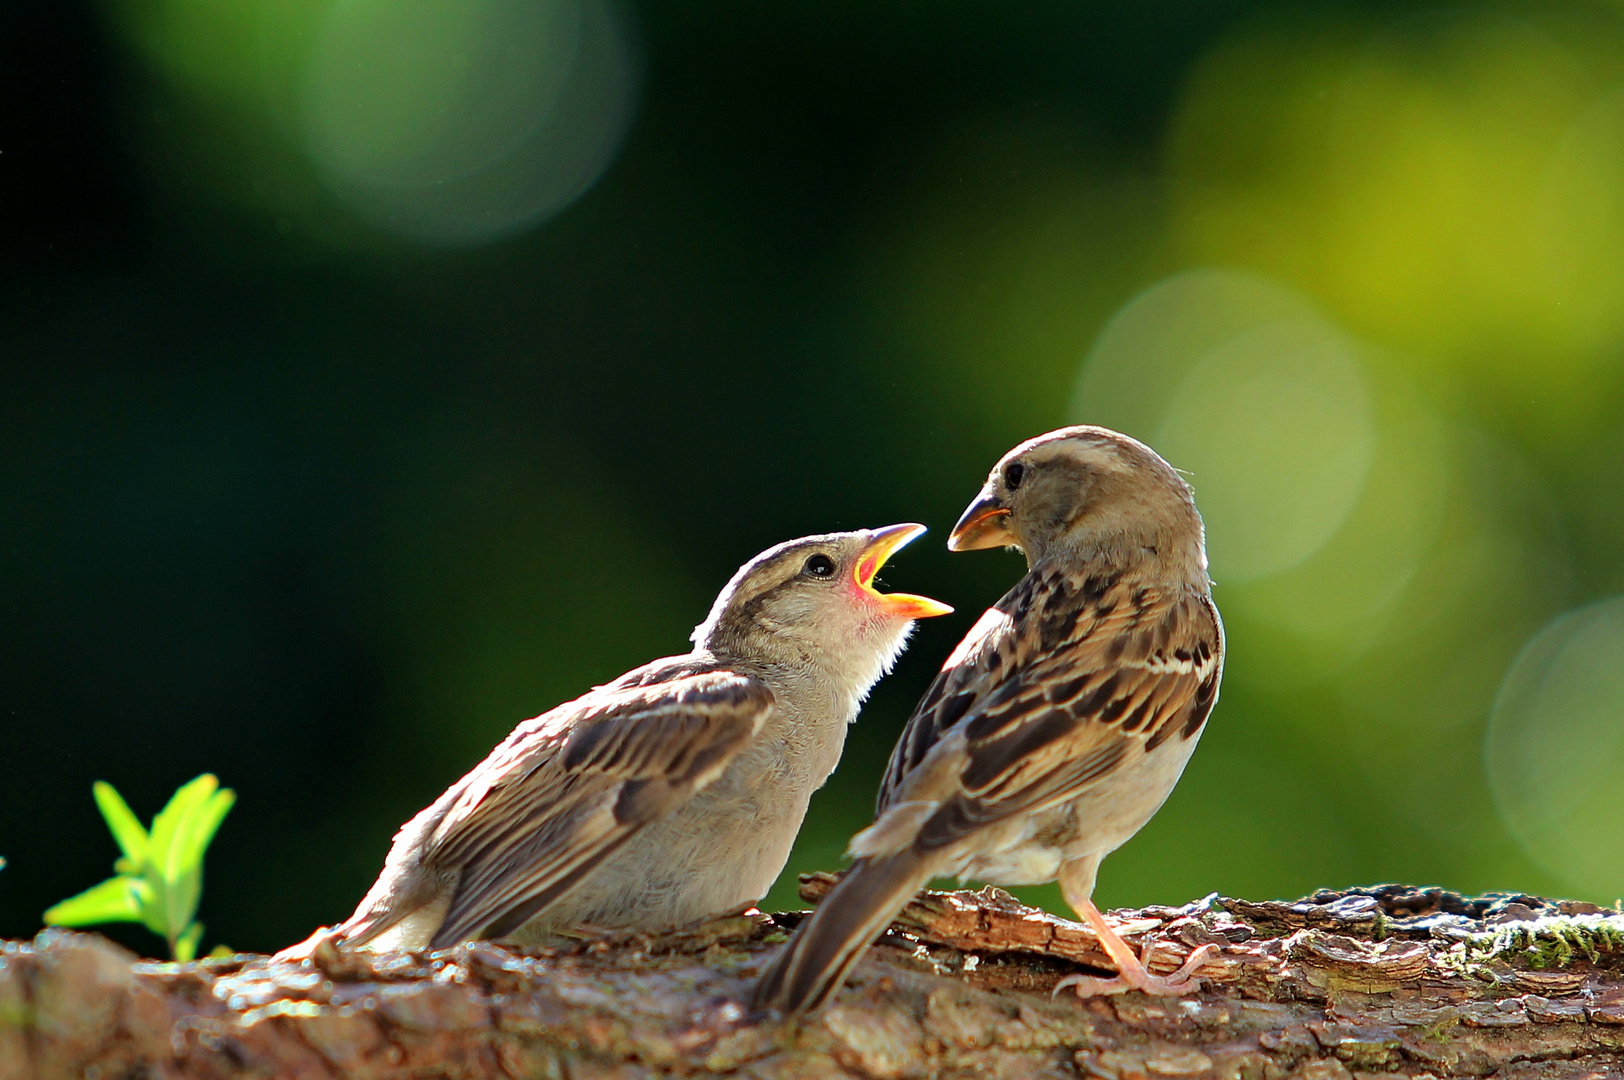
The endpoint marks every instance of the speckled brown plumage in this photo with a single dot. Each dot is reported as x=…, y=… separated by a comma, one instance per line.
x=1079, y=676
x=1063, y=719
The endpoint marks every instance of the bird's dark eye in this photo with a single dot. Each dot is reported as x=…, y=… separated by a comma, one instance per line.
x=820, y=565
x=1014, y=474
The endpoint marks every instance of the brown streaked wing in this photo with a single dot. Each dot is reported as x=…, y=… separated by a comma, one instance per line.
x=1094, y=670
x=566, y=791
x=984, y=661
x=985, y=651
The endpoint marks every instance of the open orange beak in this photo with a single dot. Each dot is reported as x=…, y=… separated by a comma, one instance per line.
x=985, y=524
x=885, y=543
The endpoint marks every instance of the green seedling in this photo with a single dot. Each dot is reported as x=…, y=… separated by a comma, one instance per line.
x=159, y=877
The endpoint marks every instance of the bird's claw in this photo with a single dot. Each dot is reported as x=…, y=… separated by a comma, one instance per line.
x=307, y=948
x=1138, y=977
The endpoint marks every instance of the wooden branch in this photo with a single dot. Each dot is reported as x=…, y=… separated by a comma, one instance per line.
x=1342, y=985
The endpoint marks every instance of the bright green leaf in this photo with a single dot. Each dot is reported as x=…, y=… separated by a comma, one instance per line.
x=180, y=900
x=173, y=824
x=161, y=872
x=121, y=821
x=155, y=904
x=114, y=900
x=201, y=827
x=185, y=947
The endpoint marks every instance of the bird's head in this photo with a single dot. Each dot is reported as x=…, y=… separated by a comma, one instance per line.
x=812, y=602
x=1089, y=491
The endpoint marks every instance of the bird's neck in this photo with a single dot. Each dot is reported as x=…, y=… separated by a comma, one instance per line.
x=805, y=732
x=1161, y=558
x=825, y=679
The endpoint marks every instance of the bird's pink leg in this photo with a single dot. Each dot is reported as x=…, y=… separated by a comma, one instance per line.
x=1131, y=971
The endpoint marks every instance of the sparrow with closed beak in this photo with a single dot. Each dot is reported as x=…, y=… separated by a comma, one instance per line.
x=1061, y=722
x=671, y=794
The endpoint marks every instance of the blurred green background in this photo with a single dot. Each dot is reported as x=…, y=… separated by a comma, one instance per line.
x=375, y=374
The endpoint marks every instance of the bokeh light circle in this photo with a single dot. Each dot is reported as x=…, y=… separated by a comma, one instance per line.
x=1150, y=345
x=1276, y=428
x=1243, y=384
x=1555, y=748
x=463, y=121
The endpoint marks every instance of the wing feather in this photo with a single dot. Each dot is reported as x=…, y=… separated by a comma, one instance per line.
x=1055, y=688
x=566, y=789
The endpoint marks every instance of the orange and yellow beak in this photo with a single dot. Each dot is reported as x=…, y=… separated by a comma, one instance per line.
x=884, y=543
x=985, y=524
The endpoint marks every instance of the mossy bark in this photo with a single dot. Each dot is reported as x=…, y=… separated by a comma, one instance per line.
x=1361, y=983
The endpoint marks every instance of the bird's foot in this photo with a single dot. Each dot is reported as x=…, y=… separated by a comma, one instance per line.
x=324, y=935
x=1134, y=974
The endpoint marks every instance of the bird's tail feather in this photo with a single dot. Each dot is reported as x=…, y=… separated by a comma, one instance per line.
x=815, y=963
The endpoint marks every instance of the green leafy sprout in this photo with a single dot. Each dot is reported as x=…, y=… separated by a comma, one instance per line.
x=159, y=878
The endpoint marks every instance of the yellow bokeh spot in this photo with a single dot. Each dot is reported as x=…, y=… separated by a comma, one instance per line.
x=1453, y=186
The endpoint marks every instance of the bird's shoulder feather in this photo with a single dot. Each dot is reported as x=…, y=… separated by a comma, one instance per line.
x=1059, y=685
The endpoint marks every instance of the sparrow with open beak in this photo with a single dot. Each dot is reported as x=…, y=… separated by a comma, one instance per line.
x=671, y=794
x=1061, y=722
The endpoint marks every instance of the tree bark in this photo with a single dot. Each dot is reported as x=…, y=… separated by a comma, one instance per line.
x=1353, y=984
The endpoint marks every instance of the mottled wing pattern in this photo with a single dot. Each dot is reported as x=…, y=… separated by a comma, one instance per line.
x=1059, y=685
x=569, y=787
